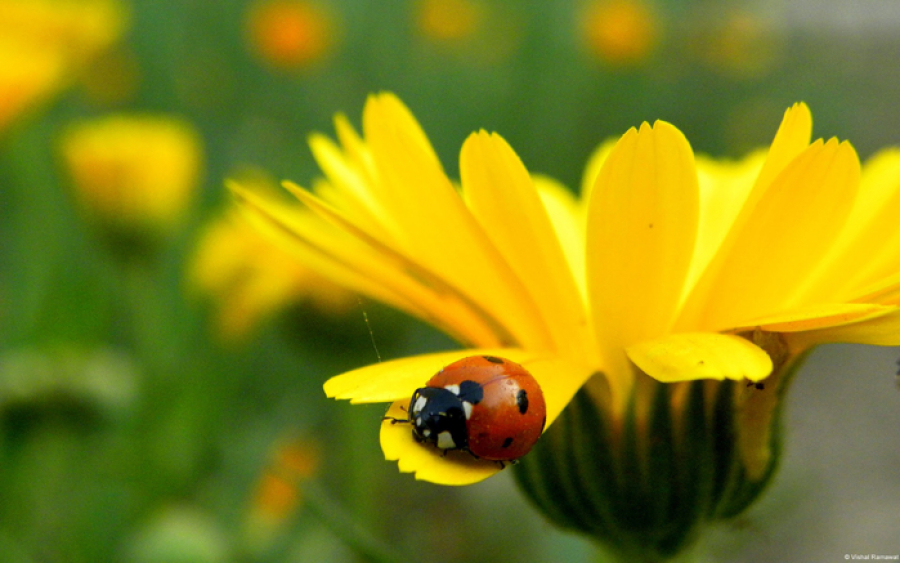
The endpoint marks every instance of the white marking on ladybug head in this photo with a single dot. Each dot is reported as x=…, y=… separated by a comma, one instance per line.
x=453, y=388
x=420, y=404
x=445, y=441
x=467, y=408
x=426, y=432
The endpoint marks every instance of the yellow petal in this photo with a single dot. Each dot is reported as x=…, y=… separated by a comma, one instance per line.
x=820, y=316
x=594, y=164
x=450, y=306
x=439, y=231
x=792, y=138
x=347, y=257
x=886, y=290
x=789, y=231
x=502, y=196
x=330, y=252
x=879, y=196
x=355, y=149
x=880, y=331
x=724, y=188
x=702, y=355
x=868, y=249
x=349, y=188
x=567, y=214
x=642, y=220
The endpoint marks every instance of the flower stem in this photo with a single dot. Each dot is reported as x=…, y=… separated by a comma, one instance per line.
x=336, y=519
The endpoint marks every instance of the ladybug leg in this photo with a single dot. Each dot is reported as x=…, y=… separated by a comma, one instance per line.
x=471, y=454
x=503, y=464
x=395, y=420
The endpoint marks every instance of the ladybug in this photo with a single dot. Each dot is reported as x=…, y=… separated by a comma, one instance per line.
x=487, y=406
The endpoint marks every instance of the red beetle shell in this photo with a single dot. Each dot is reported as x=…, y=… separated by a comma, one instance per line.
x=510, y=418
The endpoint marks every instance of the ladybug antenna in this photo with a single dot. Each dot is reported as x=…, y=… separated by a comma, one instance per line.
x=369, y=326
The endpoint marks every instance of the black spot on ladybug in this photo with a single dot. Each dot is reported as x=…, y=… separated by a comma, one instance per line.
x=471, y=391
x=507, y=443
x=493, y=359
x=522, y=401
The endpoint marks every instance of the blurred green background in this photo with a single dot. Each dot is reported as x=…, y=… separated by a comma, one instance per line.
x=147, y=416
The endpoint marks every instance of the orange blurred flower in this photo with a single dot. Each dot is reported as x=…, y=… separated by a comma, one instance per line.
x=620, y=32
x=277, y=493
x=290, y=34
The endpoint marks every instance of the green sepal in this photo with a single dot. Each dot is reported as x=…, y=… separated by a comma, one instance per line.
x=647, y=483
x=561, y=476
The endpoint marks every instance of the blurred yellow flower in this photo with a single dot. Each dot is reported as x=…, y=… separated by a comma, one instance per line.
x=668, y=266
x=134, y=174
x=474, y=31
x=290, y=34
x=620, y=32
x=249, y=277
x=43, y=43
x=738, y=42
x=448, y=20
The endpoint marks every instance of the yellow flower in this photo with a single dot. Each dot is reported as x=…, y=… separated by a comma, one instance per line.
x=43, y=43
x=668, y=266
x=290, y=34
x=250, y=277
x=135, y=175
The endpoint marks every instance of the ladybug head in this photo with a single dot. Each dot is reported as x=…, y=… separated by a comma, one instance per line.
x=438, y=417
